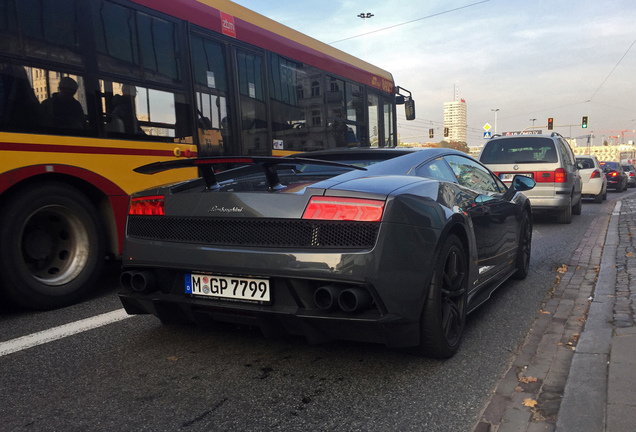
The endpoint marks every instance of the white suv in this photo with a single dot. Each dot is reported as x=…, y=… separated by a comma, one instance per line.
x=549, y=160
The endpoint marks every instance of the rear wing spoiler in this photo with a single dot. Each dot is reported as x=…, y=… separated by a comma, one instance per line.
x=267, y=163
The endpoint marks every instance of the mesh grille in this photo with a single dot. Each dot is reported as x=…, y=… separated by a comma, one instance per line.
x=256, y=232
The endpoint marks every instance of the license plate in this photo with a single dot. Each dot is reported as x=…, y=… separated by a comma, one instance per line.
x=510, y=176
x=227, y=287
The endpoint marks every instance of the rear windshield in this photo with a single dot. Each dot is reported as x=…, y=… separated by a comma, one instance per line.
x=611, y=165
x=627, y=168
x=519, y=150
x=585, y=163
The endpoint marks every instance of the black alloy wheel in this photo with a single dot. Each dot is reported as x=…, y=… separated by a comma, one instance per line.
x=444, y=315
x=524, y=248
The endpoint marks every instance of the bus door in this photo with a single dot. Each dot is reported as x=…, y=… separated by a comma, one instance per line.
x=253, y=119
x=212, y=92
x=381, y=125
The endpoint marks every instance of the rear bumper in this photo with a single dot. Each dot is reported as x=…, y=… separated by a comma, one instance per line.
x=391, y=330
x=592, y=188
x=557, y=202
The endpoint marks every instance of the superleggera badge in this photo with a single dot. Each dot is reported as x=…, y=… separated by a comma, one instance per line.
x=225, y=209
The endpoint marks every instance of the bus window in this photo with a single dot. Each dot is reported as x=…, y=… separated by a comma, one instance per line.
x=253, y=107
x=138, y=112
x=46, y=30
x=62, y=102
x=355, y=103
x=19, y=106
x=210, y=81
x=374, y=118
x=388, y=125
x=116, y=38
x=159, y=49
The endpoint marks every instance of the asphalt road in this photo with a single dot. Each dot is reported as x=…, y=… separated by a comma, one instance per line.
x=136, y=374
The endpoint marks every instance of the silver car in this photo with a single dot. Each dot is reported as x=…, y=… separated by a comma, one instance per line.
x=593, y=178
x=549, y=160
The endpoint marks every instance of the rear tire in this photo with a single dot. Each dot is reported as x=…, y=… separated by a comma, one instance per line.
x=565, y=215
x=576, y=210
x=599, y=198
x=52, y=246
x=524, y=248
x=444, y=315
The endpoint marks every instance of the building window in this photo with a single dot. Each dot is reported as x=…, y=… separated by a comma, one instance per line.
x=315, y=89
x=316, y=117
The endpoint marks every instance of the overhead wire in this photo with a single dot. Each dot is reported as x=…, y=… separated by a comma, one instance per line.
x=409, y=22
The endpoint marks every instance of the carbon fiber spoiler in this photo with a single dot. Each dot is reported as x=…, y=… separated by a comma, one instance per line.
x=268, y=163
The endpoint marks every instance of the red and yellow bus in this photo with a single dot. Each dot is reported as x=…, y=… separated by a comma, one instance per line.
x=90, y=89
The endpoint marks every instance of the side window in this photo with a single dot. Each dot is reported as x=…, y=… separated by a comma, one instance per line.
x=43, y=101
x=566, y=151
x=137, y=112
x=438, y=170
x=126, y=40
x=471, y=174
x=43, y=29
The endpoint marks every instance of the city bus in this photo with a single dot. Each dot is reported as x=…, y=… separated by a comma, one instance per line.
x=91, y=89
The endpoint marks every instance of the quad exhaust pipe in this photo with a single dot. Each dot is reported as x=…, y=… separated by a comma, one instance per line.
x=329, y=298
x=144, y=281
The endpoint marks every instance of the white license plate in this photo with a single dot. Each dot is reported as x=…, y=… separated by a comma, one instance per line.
x=510, y=176
x=227, y=287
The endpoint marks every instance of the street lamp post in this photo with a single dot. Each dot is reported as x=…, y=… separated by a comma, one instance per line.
x=365, y=17
x=533, y=120
x=495, y=110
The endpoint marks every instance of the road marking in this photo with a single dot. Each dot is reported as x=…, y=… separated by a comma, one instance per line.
x=55, y=333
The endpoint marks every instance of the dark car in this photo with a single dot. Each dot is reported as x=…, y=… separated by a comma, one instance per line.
x=616, y=177
x=390, y=246
x=631, y=175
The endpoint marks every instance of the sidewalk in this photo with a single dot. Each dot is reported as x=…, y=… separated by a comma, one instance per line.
x=600, y=394
x=577, y=368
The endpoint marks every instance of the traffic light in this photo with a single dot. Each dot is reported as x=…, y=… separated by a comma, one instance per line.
x=445, y=132
x=584, y=122
x=550, y=123
x=430, y=133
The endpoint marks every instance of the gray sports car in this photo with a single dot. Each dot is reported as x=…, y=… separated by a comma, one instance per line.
x=391, y=246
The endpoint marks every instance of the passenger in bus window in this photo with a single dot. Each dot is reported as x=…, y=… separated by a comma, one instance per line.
x=125, y=109
x=19, y=106
x=62, y=110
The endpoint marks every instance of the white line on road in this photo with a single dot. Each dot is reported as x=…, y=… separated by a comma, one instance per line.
x=55, y=333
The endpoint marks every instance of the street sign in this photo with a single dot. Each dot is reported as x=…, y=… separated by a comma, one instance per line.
x=486, y=135
x=487, y=127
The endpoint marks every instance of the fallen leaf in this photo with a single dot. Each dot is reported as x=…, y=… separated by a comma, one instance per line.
x=563, y=269
x=582, y=319
x=527, y=380
x=173, y=358
x=518, y=389
x=544, y=312
x=529, y=402
x=560, y=344
x=629, y=254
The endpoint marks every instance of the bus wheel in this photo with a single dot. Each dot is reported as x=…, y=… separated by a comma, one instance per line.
x=51, y=246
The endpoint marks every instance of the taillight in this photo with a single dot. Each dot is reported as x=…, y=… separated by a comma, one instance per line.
x=348, y=209
x=147, y=206
x=596, y=174
x=613, y=174
x=557, y=176
x=544, y=177
x=560, y=176
x=631, y=174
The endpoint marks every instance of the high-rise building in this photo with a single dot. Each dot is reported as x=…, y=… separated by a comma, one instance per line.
x=455, y=120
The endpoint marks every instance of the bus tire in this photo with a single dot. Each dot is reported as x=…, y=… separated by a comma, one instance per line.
x=51, y=246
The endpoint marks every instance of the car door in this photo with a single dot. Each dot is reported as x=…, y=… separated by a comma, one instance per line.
x=569, y=162
x=495, y=220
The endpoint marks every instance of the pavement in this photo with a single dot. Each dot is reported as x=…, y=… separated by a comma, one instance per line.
x=576, y=370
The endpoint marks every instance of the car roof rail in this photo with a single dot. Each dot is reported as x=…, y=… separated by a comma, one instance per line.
x=495, y=135
x=556, y=134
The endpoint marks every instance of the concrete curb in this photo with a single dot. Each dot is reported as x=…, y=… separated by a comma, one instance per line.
x=583, y=408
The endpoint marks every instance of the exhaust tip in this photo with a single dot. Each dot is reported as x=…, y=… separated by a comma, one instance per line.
x=125, y=279
x=354, y=299
x=143, y=281
x=326, y=297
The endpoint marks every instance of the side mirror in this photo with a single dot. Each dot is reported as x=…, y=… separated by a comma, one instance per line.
x=519, y=184
x=522, y=183
x=409, y=109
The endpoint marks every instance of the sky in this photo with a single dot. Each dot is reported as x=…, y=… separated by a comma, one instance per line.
x=529, y=59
